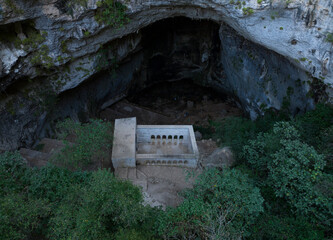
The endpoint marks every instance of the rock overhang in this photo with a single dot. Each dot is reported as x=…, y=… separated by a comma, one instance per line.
x=273, y=25
x=296, y=31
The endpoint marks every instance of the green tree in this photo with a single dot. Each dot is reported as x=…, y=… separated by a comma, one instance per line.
x=99, y=209
x=258, y=151
x=312, y=124
x=53, y=183
x=291, y=169
x=22, y=217
x=13, y=173
x=219, y=205
x=293, y=172
x=92, y=141
x=283, y=227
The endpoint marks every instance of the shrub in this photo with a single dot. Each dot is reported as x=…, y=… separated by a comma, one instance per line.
x=21, y=217
x=236, y=131
x=61, y=204
x=93, y=140
x=312, y=123
x=329, y=37
x=99, y=209
x=111, y=12
x=258, y=151
x=13, y=6
x=220, y=205
x=247, y=11
x=285, y=227
x=293, y=171
x=69, y=6
x=185, y=221
x=133, y=234
x=290, y=168
x=13, y=173
x=206, y=131
x=53, y=183
x=316, y=129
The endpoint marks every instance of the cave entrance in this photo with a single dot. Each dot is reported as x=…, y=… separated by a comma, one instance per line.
x=177, y=49
x=176, y=81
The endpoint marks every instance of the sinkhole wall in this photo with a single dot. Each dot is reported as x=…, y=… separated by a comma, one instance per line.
x=56, y=64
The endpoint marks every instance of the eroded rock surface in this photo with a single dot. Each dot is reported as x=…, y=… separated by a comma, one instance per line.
x=263, y=53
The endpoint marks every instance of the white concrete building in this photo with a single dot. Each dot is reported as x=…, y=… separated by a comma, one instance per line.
x=169, y=145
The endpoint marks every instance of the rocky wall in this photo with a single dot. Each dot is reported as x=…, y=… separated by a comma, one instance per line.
x=271, y=51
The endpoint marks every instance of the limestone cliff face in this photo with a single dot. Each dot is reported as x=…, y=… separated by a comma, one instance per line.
x=269, y=51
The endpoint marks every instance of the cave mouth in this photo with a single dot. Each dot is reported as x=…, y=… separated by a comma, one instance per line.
x=175, y=49
x=180, y=57
x=180, y=63
x=178, y=48
x=214, y=55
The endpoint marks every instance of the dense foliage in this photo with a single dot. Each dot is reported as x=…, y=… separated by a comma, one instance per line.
x=62, y=204
x=92, y=141
x=219, y=206
x=112, y=13
x=98, y=209
x=280, y=188
x=290, y=160
x=290, y=168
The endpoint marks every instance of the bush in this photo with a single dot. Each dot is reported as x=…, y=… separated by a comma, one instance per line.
x=258, y=151
x=294, y=170
x=13, y=173
x=285, y=227
x=133, y=234
x=99, y=209
x=60, y=204
x=326, y=147
x=111, y=12
x=21, y=217
x=290, y=168
x=219, y=205
x=313, y=124
x=329, y=37
x=53, y=183
x=236, y=131
x=93, y=140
